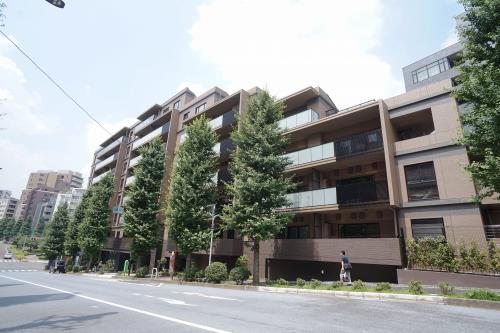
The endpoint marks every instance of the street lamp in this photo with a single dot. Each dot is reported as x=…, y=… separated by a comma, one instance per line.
x=57, y=3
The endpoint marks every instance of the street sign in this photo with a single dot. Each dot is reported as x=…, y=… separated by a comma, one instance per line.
x=118, y=210
x=57, y=3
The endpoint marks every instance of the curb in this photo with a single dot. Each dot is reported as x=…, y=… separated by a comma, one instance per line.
x=473, y=303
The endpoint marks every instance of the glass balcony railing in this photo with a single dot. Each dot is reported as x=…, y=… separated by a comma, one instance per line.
x=139, y=142
x=298, y=119
x=104, y=162
x=217, y=148
x=100, y=177
x=144, y=124
x=133, y=162
x=129, y=180
x=109, y=147
x=312, y=154
x=216, y=123
x=323, y=197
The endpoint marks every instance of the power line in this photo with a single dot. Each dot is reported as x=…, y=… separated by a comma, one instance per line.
x=55, y=83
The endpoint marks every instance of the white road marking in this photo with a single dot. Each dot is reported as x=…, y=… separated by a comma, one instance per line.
x=174, y=301
x=206, y=296
x=149, y=296
x=147, y=313
x=136, y=294
x=100, y=279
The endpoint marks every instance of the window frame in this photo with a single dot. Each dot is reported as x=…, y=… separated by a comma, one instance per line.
x=200, y=108
x=410, y=184
x=429, y=221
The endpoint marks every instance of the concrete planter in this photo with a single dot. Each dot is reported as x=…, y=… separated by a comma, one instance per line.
x=466, y=280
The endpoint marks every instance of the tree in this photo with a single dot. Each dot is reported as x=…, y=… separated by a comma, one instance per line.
x=40, y=228
x=259, y=185
x=25, y=228
x=71, y=245
x=9, y=227
x=92, y=230
x=480, y=88
x=16, y=226
x=4, y=223
x=53, y=243
x=192, y=190
x=143, y=204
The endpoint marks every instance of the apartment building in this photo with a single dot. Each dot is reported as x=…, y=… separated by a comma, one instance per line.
x=368, y=177
x=43, y=184
x=72, y=198
x=8, y=204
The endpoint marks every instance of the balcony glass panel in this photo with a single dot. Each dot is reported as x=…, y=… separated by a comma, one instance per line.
x=217, y=148
x=129, y=180
x=216, y=123
x=298, y=119
x=134, y=161
x=98, y=178
x=104, y=162
x=312, y=154
x=327, y=196
x=112, y=145
x=144, y=124
x=139, y=142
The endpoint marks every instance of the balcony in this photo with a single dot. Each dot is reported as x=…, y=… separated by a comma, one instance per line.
x=217, y=148
x=143, y=124
x=492, y=231
x=105, y=162
x=323, y=197
x=312, y=154
x=103, y=152
x=298, y=119
x=133, y=162
x=100, y=177
x=216, y=123
x=140, y=142
x=118, y=244
x=362, y=192
x=129, y=180
x=359, y=143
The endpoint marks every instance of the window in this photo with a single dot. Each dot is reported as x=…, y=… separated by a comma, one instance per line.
x=421, y=228
x=359, y=230
x=185, y=116
x=200, y=108
x=177, y=105
x=423, y=73
x=299, y=232
x=421, y=182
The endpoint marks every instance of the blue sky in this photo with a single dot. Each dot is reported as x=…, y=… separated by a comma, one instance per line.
x=119, y=57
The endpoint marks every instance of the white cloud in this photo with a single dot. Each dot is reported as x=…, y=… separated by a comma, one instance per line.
x=451, y=39
x=286, y=45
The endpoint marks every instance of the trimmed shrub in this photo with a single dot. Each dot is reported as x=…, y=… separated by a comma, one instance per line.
x=282, y=282
x=415, y=287
x=142, y=272
x=216, y=272
x=199, y=275
x=482, y=294
x=69, y=268
x=239, y=274
x=242, y=261
x=300, y=282
x=382, y=286
x=336, y=285
x=76, y=268
x=315, y=283
x=493, y=257
x=445, y=288
x=190, y=273
x=358, y=285
x=108, y=267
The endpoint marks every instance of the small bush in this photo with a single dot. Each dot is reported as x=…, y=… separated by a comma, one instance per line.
x=242, y=261
x=77, y=268
x=100, y=271
x=190, y=273
x=142, y=272
x=216, y=272
x=482, y=294
x=415, y=287
x=315, y=283
x=445, y=288
x=382, y=286
x=69, y=268
x=358, y=285
x=336, y=285
x=239, y=274
x=300, y=282
x=282, y=282
x=108, y=267
x=199, y=275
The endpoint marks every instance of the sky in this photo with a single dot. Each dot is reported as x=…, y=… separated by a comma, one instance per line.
x=119, y=57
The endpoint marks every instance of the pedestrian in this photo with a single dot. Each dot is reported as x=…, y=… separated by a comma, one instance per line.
x=345, y=271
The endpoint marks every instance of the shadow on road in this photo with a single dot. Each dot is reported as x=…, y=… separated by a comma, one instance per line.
x=63, y=323
x=16, y=300
x=10, y=284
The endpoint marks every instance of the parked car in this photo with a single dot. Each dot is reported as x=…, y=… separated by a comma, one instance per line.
x=7, y=255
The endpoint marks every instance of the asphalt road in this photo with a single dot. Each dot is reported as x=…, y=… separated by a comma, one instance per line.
x=43, y=302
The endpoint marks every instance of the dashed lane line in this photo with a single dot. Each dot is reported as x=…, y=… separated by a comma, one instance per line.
x=147, y=313
x=206, y=296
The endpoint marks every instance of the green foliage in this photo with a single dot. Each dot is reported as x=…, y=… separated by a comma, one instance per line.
x=482, y=294
x=40, y=228
x=242, y=261
x=445, y=288
x=4, y=224
x=163, y=263
x=471, y=258
x=25, y=228
x=143, y=204
x=190, y=273
x=480, y=88
x=315, y=283
x=382, y=286
x=216, y=272
x=108, y=267
x=358, y=285
x=71, y=245
x=142, y=272
x=76, y=268
x=53, y=242
x=415, y=287
x=192, y=189
x=336, y=285
x=259, y=184
x=93, y=229
x=239, y=274
x=199, y=275
x=69, y=268
x=281, y=282
x=493, y=257
x=300, y=282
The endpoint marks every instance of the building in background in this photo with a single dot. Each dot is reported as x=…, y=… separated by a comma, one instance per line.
x=42, y=189
x=8, y=204
x=72, y=198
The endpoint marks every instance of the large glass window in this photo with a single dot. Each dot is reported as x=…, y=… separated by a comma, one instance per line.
x=421, y=182
x=421, y=228
x=423, y=73
x=359, y=230
x=298, y=232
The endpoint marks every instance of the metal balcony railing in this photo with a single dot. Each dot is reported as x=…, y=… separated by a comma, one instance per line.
x=109, y=147
x=359, y=143
x=492, y=231
x=144, y=124
x=362, y=192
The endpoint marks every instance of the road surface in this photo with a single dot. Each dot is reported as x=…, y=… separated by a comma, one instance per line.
x=37, y=301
